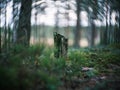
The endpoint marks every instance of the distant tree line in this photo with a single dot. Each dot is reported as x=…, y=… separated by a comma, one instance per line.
x=97, y=10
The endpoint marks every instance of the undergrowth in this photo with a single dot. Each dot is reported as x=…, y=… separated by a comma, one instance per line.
x=35, y=68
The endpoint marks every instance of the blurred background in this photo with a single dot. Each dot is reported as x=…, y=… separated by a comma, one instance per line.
x=86, y=23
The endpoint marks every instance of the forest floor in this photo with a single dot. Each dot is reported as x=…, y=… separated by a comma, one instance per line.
x=35, y=68
x=101, y=72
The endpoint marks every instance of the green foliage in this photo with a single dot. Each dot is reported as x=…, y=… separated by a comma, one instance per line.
x=36, y=68
x=8, y=78
x=116, y=46
x=78, y=57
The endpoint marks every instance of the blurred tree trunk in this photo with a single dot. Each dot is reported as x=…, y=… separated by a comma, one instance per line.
x=67, y=28
x=57, y=19
x=101, y=34
x=43, y=33
x=77, y=31
x=24, y=25
x=15, y=18
x=116, y=29
x=106, y=30
x=92, y=29
x=93, y=33
x=119, y=26
x=5, y=27
x=8, y=39
x=36, y=30
x=67, y=19
x=0, y=34
x=110, y=27
x=0, y=41
x=119, y=18
x=93, y=26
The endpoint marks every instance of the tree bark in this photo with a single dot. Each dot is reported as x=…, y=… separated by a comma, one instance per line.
x=106, y=30
x=15, y=18
x=61, y=45
x=119, y=28
x=24, y=25
x=77, y=31
x=93, y=33
x=5, y=28
x=0, y=33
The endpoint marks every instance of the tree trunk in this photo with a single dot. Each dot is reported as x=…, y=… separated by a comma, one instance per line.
x=106, y=30
x=119, y=28
x=57, y=19
x=9, y=37
x=93, y=33
x=5, y=28
x=110, y=27
x=0, y=33
x=15, y=19
x=24, y=25
x=61, y=45
x=67, y=27
x=77, y=31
